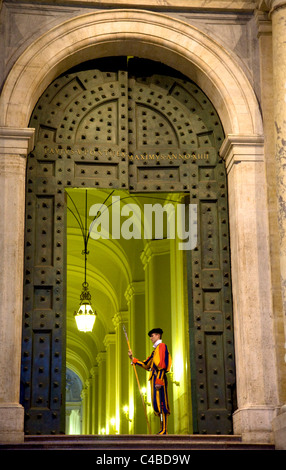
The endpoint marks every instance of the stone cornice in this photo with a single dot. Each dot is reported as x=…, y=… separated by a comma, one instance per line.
x=170, y=5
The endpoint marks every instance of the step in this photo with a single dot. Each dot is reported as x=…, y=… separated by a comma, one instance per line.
x=170, y=442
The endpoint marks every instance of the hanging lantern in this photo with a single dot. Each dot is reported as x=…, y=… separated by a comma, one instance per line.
x=85, y=316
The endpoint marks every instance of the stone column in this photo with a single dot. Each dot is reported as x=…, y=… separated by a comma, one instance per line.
x=277, y=13
x=101, y=360
x=88, y=417
x=257, y=389
x=84, y=398
x=135, y=296
x=15, y=144
x=94, y=400
x=122, y=371
x=111, y=385
x=156, y=264
x=179, y=347
x=264, y=26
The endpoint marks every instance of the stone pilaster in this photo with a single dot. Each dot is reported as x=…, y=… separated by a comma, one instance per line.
x=264, y=26
x=15, y=144
x=279, y=72
x=179, y=346
x=157, y=266
x=84, y=399
x=256, y=368
x=135, y=296
x=88, y=418
x=122, y=371
x=101, y=360
x=111, y=385
x=94, y=399
x=277, y=14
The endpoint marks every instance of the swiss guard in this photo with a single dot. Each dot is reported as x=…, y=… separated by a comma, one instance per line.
x=158, y=363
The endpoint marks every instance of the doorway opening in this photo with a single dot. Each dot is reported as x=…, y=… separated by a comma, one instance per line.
x=133, y=267
x=140, y=129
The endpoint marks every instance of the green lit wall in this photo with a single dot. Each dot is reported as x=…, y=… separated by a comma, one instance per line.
x=138, y=283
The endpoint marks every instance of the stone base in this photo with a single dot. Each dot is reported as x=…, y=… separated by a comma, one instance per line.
x=254, y=424
x=279, y=429
x=139, y=442
x=11, y=423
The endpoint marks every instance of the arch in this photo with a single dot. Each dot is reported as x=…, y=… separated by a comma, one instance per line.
x=190, y=51
x=132, y=32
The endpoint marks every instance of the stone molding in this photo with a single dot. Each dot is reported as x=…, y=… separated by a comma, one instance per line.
x=228, y=5
x=16, y=141
x=253, y=423
x=242, y=148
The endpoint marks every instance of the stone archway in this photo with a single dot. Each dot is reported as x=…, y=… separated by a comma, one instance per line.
x=143, y=34
x=128, y=125
x=190, y=51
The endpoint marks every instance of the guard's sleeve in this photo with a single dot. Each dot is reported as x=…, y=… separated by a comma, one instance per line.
x=145, y=364
x=163, y=362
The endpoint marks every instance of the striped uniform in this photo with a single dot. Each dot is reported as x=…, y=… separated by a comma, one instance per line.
x=159, y=363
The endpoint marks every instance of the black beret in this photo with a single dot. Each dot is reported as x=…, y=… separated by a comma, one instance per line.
x=155, y=330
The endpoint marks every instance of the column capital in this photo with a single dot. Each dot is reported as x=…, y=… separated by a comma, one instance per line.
x=120, y=317
x=94, y=371
x=18, y=141
x=101, y=357
x=136, y=287
x=109, y=339
x=264, y=23
x=242, y=148
x=152, y=248
x=263, y=5
x=87, y=383
x=270, y=5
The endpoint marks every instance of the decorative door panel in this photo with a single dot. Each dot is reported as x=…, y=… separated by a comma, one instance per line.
x=140, y=126
x=210, y=308
x=174, y=146
x=81, y=124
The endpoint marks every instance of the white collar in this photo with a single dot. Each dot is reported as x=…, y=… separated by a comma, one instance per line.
x=157, y=342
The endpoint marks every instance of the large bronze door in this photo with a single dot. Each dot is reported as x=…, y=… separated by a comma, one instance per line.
x=140, y=126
